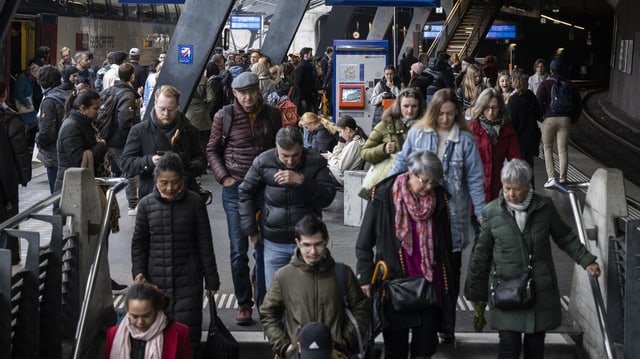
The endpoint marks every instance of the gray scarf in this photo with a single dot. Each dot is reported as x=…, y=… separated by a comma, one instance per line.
x=519, y=211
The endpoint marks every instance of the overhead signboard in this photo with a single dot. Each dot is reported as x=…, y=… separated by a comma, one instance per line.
x=400, y=3
x=151, y=1
x=245, y=22
x=496, y=32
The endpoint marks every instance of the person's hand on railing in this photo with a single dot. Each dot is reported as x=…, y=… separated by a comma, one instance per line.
x=140, y=278
x=593, y=269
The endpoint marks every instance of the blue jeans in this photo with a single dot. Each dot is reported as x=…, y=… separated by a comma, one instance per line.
x=238, y=245
x=52, y=174
x=276, y=256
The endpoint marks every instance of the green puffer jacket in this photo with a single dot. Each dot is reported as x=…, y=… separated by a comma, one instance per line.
x=304, y=293
x=386, y=131
x=503, y=247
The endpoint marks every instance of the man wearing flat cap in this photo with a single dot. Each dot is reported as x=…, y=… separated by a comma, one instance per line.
x=252, y=130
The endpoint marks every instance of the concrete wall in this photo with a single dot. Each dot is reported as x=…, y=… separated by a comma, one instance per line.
x=625, y=87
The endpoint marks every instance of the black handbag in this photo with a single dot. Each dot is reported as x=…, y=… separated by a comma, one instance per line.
x=514, y=293
x=220, y=343
x=412, y=293
x=409, y=293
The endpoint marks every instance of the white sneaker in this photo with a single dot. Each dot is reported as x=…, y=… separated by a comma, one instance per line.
x=133, y=211
x=551, y=182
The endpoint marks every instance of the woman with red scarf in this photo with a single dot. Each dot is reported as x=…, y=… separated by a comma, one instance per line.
x=407, y=221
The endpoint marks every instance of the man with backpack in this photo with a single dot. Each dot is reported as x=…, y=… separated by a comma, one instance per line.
x=50, y=117
x=121, y=110
x=239, y=133
x=314, y=288
x=560, y=105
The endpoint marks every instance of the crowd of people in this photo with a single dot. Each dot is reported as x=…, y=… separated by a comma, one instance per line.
x=452, y=143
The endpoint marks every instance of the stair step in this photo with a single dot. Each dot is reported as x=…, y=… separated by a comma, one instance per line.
x=469, y=345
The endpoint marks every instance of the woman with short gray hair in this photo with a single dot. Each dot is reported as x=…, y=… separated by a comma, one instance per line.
x=407, y=221
x=518, y=225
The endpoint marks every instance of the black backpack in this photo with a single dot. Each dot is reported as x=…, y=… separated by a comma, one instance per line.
x=106, y=121
x=561, y=97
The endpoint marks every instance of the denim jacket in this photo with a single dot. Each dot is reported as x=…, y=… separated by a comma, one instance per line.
x=463, y=175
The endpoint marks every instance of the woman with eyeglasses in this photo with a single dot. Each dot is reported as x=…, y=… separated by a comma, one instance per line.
x=496, y=138
x=172, y=246
x=407, y=222
x=443, y=131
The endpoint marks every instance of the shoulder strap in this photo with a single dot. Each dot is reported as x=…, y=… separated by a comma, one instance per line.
x=340, y=269
x=342, y=282
x=227, y=119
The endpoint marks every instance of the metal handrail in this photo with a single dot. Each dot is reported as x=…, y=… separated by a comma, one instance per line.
x=456, y=13
x=15, y=220
x=117, y=184
x=593, y=281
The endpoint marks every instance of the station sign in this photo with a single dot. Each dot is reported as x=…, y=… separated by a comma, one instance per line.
x=245, y=22
x=399, y=3
x=185, y=54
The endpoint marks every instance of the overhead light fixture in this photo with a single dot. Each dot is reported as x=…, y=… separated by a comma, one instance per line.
x=560, y=22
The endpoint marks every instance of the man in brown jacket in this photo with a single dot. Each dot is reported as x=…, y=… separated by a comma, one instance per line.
x=251, y=128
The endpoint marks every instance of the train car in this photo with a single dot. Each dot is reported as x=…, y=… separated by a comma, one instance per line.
x=99, y=26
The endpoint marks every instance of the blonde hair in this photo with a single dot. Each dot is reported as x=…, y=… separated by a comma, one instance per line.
x=309, y=118
x=471, y=90
x=167, y=91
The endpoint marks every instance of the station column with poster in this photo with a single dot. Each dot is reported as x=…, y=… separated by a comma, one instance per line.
x=357, y=66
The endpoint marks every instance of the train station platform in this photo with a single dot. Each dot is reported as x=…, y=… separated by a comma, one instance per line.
x=342, y=246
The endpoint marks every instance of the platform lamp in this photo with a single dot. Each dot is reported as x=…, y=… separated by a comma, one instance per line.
x=511, y=48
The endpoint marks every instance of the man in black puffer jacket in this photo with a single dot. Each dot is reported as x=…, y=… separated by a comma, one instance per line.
x=296, y=182
x=439, y=69
x=168, y=130
x=127, y=114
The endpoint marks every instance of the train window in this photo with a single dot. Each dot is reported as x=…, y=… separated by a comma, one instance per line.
x=98, y=8
x=146, y=12
x=173, y=13
x=114, y=9
x=130, y=11
x=78, y=7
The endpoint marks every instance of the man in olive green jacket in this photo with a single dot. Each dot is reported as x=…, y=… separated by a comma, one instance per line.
x=306, y=290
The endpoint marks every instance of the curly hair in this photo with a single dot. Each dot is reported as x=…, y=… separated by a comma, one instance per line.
x=48, y=76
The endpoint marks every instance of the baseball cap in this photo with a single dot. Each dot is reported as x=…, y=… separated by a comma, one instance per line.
x=134, y=52
x=315, y=341
x=556, y=65
x=245, y=81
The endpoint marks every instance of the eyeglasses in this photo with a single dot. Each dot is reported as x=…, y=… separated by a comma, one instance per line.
x=317, y=245
x=425, y=181
x=167, y=109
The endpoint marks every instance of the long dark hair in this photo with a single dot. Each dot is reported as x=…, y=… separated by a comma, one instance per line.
x=80, y=98
x=348, y=121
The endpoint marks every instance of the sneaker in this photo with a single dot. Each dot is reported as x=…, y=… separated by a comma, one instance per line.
x=243, y=317
x=133, y=211
x=551, y=182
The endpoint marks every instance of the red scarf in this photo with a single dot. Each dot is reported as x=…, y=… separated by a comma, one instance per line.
x=410, y=207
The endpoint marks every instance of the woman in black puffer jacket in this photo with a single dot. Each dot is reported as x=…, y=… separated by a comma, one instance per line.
x=78, y=134
x=172, y=245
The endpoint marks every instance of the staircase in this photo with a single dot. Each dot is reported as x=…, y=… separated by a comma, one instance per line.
x=467, y=24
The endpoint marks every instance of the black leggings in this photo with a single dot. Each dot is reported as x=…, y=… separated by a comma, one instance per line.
x=511, y=344
x=424, y=339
